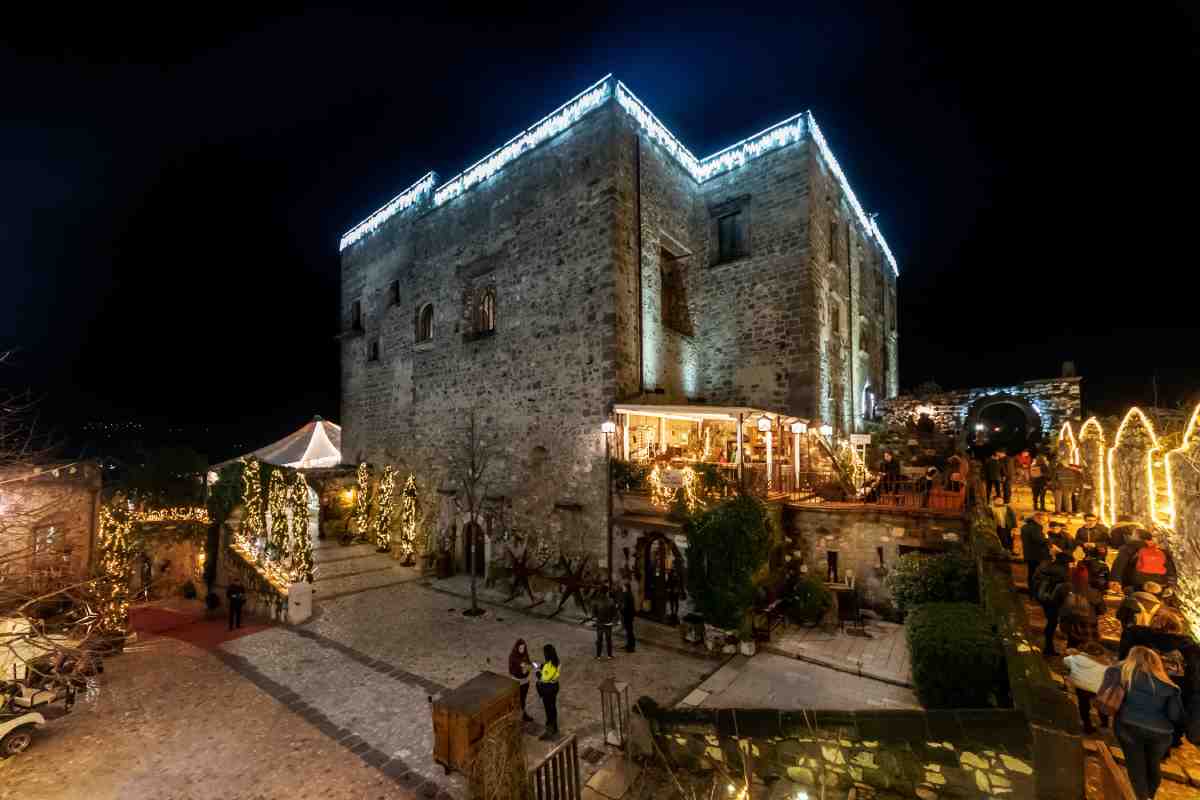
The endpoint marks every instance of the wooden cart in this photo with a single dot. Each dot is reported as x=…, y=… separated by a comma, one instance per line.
x=462, y=716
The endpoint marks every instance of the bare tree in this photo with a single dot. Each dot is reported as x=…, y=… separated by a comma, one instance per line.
x=471, y=458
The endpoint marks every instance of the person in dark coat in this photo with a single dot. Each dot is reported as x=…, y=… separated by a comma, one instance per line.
x=628, y=610
x=889, y=468
x=995, y=477
x=1070, y=480
x=1166, y=635
x=1008, y=467
x=1125, y=568
x=1034, y=545
x=1122, y=533
x=519, y=667
x=674, y=593
x=1048, y=583
x=235, y=593
x=1057, y=536
x=1091, y=533
x=1096, y=561
x=1039, y=475
x=548, y=686
x=606, y=617
x=1145, y=724
x=1006, y=522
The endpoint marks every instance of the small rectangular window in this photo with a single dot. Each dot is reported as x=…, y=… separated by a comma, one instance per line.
x=731, y=237
x=394, y=294
x=673, y=294
x=833, y=239
x=373, y=350
x=835, y=317
x=356, y=322
x=882, y=284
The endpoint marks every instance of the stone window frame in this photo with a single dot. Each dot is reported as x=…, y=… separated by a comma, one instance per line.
x=425, y=323
x=483, y=320
x=394, y=293
x=679, y=319
x=374, y=350
x=735, y=206
x=864, y=335
x=831, y=245
x=356, y=316
x=834, y=302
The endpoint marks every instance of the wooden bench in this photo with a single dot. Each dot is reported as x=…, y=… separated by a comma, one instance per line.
x=771, y=616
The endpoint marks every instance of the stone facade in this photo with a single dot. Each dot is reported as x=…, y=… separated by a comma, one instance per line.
x=600, y=256
x=48, y=520
x=867, y=540
x=1047, y=405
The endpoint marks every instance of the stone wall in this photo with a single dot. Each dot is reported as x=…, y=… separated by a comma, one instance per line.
x=59, y=508
x=1055, y=401
x=859, y=754
x=863, y=537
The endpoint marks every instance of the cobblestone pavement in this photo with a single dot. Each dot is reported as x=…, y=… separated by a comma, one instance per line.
x=363, y=670
x=174, y=723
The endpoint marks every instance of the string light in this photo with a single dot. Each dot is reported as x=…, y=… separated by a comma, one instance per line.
x=278, y=499
x=1114, y=487
x=1179, y=454
x=383, y=518
x=427, y=193
x=362, y=500
x=252, y=517
x=1091, y=431
x=1072, y=445
x=301, y=549
x=408, y=519
x=665, y=496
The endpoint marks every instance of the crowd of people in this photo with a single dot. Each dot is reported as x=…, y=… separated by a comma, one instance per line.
x=1149, y=690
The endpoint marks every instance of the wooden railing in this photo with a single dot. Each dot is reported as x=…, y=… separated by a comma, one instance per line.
x=1114, y=783
x=556, y=777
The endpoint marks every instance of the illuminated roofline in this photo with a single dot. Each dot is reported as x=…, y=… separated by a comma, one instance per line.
x=428, y=192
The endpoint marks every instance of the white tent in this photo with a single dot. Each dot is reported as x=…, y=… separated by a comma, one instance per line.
x=317, y=444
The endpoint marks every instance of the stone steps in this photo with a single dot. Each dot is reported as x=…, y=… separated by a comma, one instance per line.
x=343, y=585
x=328, y=553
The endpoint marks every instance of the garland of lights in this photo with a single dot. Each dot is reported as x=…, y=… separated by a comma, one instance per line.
x=665, y=496
x=362, y=501
x=427, y=193
x=278, y=529
x=301, y=555
x=1092, y=434
x=1134, y=413
x=1067, y=436
x=1175, y=460
x=252, y=517
x=408, y=520
x=115, y=567
x=387, y=507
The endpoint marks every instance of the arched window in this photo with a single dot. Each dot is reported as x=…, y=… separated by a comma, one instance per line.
x=425, y=323
x=485, y=313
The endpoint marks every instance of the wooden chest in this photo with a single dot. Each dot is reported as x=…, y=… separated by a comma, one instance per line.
x=462, y=716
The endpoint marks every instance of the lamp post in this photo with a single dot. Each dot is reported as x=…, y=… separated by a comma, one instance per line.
x=797, y=429
x=764, y=427
x=609, y=428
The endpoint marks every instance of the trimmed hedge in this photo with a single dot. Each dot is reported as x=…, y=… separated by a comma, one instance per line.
x=919, y=578
x=727, y=545
x=957, y=659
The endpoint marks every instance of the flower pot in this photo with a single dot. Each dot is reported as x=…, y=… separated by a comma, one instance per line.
x=747, y=648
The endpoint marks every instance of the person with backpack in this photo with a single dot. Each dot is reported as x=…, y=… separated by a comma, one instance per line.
x=1077, y=608
x=1139, y=605
x=1047, y=580
x=1167, y=635
x=1122, y=533
x=1034, y=547
x=1096, y=561
x=1152, y=563
x=1146, y=706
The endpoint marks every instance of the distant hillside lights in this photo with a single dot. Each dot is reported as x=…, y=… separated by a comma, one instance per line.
x=776, y=136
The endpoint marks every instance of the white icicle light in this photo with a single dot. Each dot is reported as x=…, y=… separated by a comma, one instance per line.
x=781, y=134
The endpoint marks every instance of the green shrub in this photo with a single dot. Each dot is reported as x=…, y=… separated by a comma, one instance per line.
x=627, y=476
x=808, y=601
x=957, y=660
x=727, y=544
x=920, y=578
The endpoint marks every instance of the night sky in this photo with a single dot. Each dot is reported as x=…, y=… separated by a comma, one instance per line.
x=173, y=184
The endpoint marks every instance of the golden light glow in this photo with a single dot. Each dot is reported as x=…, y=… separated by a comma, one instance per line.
x=1192, y=431
x=1065, y=434
x=664, y=496
x=1099, y=477
x=362, y=500
x=387, y=506
x=1134, y=413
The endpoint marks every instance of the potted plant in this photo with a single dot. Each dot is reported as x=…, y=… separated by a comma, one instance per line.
x=746, y=639
x=729, y=644
x=693, y=628
x=809, y=601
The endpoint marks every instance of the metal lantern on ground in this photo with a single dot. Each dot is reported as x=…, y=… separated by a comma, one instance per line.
x=614, y=707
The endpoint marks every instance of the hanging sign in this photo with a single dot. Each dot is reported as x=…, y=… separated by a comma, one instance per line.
x=860, y=438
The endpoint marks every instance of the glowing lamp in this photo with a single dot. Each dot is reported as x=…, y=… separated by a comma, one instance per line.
x=799, y=427
x=980, y=426
x=826, y=431
x=609, y=426
x=764, y=424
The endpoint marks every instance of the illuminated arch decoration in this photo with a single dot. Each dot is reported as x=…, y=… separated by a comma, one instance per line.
x=1130, y=465
x=1068, y=447
x=1092, y=453
x=1182, y=467
x=428, y=192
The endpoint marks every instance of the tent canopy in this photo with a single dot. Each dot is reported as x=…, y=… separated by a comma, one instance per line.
x=317, y=444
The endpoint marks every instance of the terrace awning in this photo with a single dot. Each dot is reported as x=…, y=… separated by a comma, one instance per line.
x=317, y=444
x=698, y=413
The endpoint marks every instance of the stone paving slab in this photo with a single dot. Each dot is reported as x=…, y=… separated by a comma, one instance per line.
x=771, y=681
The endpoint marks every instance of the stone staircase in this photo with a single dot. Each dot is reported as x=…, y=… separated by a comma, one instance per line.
x=343, y=570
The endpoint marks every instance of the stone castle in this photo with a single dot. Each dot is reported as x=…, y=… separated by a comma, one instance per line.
x=594, y=260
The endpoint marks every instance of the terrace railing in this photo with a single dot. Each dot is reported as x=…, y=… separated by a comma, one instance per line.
x=556, y=777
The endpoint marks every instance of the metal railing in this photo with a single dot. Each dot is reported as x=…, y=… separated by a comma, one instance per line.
x=556, y=777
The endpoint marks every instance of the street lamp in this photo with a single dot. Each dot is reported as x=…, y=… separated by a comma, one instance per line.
x=764, y=427
x=797, y=429
x=608, y=428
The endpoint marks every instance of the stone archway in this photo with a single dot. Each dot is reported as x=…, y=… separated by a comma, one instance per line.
x=1034, y=426
x=465, y=525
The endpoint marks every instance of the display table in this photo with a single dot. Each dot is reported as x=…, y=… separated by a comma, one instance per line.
x=462, y=716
